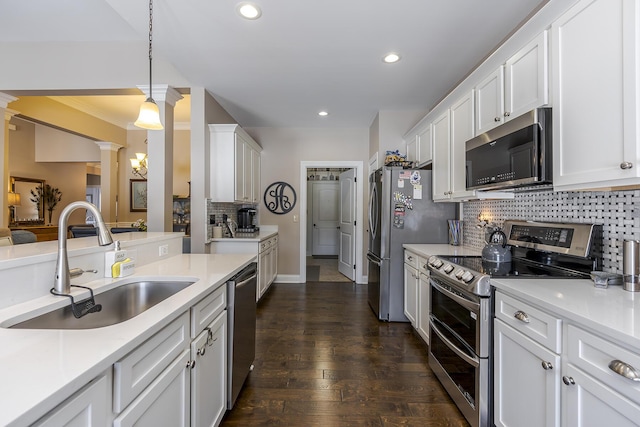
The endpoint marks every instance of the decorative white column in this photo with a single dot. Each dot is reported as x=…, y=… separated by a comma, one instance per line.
x=160, y=155
x=4, y=155
x=109, y=180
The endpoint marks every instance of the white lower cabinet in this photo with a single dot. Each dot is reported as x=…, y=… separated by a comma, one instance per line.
x=411, y=278
x=549, y=371
x=416, y=293
x=424, y=293
x=526, y=380
x=209, y=374
x=89, y=407
x=165, y=402
x=267, y=265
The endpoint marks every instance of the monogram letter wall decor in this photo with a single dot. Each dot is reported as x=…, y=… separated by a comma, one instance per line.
x=280, y=198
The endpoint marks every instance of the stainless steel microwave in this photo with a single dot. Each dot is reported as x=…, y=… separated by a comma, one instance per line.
x=515, y=154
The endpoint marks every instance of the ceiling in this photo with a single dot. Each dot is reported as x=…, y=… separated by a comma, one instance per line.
x=299, y=58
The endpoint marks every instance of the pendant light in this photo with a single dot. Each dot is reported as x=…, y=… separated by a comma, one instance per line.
x=149, y=117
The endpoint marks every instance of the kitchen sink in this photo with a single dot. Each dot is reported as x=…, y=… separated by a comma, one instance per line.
x=118, y=304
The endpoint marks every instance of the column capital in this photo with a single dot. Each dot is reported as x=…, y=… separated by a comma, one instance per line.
x=108, y=146
x=8, y=113
x=6, y=99
x=162, y=93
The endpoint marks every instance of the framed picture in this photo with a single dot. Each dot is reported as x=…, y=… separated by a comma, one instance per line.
x=138, y=195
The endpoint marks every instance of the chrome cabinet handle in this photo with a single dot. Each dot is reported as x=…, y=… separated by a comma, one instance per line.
x=202, y=351
x=547, y=366
x=507, y=114
x=568, y=380
x=191, y=364
x=626, y=165
x=624, y=369
x=409, y=258
x=497, y=119
x=521, y=316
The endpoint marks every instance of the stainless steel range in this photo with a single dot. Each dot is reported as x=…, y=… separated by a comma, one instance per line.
x=461, y=303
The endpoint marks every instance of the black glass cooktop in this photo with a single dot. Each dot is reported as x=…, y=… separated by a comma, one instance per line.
x=518, y=267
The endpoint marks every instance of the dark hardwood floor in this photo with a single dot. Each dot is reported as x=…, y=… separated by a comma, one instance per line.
x=323, y=359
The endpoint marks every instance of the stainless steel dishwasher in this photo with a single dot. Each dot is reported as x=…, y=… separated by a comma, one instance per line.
x=241, y=329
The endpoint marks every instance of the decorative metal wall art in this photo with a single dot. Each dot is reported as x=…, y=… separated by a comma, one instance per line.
x=280, y=198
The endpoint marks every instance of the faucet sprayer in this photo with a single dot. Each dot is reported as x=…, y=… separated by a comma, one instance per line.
x=62, y=283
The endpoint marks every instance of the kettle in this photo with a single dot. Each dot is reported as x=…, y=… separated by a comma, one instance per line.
x=497, y=252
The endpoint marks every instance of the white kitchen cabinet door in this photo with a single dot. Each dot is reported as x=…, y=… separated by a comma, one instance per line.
x=425, y=144
x=263, y=272
x=424, y=295
x=255, y=176
x=412, y=149
x=239, y=169
x=90, y=407
x=526, y=78
x=461, y=131
x=273, y=260
x=441, y=157
x=411, y=278
x=525, y=393
x=490, y=101
x=589, y=403
x=165, y=402
x=209, y=374
x=595, y=95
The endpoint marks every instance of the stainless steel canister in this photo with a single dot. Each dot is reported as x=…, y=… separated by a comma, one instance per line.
x=631, y=265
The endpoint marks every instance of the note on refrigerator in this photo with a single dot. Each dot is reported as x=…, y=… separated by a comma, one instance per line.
x=417, y=192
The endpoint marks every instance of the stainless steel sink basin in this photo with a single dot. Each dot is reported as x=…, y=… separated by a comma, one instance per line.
x=118, y=304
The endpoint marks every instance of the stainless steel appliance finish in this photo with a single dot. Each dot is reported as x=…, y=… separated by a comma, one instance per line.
x=461, y=306
x=515, y=154
x=391, y=224
x=631, y=265
x=241, y=329
x=246, y=219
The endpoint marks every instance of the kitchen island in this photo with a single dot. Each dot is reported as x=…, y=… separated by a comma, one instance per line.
x=42, y=368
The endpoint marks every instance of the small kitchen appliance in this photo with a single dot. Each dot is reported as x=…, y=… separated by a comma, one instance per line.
x=246, y=217
x=461, y=302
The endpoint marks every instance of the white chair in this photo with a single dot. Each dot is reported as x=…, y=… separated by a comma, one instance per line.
x=6, y=241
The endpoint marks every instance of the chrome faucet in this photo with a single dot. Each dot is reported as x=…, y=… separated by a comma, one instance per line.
x=62, y=284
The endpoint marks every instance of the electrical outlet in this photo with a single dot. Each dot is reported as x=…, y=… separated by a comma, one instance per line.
x=163, y=250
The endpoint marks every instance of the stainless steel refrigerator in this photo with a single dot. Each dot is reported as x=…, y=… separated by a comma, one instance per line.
x=401, y=210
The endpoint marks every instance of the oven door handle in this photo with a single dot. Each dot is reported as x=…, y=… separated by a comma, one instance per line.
x=473, y=361
x=470, y=305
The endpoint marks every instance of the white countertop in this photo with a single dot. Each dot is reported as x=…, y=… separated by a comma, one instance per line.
x=40, y=368
x=426, y=250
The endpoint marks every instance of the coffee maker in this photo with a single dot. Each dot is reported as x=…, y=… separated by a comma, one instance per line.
x=245, y=220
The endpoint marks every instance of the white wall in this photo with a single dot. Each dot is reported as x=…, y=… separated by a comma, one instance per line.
x=283, y=150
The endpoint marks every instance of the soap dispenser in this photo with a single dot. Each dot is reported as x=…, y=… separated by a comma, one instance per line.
x=117, y=255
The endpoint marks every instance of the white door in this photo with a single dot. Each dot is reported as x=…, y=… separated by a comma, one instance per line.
x=347, y=255
x=326, y=199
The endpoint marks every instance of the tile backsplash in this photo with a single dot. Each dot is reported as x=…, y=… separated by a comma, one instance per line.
x=218, y=209
x=617, y=211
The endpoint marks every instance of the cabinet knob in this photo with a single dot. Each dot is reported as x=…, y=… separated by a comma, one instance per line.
x=191, y=364
x=626, y=165
x=497, y=119
x=507, y=114
x=410, y=258
x=624, y=369
x=547, y=366
x=202, y=351
x=521, y=316
x=568, y=380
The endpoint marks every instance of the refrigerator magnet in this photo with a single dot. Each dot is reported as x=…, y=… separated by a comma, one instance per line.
x=401, y=183
x=415, y=178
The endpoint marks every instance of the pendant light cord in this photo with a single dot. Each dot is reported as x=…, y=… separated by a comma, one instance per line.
x=150, y=46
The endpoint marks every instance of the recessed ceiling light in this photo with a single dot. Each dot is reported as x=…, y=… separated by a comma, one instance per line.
x=391, y=57
x=323, y=113
x=249, y=10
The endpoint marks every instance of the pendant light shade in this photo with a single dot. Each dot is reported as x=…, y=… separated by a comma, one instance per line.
x=149, y=117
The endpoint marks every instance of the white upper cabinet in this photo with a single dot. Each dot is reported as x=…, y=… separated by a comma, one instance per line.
x=490, y=101
x=441, y=157
x=419, y=145
x=595, y=95
x=518, y=86
x=461, y=131
x=234, y=165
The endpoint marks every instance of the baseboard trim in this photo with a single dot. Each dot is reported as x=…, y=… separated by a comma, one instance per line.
x=288, y=278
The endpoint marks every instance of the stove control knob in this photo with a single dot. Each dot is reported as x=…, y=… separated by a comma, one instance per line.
x=467, y=277
x=459, y=272
x=448, y=268
x=432, y=260
x=436, y=264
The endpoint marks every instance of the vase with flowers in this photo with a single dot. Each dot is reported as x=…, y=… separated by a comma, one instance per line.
x=49, y=196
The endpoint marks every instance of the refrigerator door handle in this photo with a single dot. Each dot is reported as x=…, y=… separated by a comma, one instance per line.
x=373, y=214
x=374, y=259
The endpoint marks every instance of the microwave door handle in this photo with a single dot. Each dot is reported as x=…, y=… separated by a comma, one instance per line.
x=475, y=307
x=473, y=361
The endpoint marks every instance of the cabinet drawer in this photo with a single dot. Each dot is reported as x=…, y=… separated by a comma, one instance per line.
x=140, y=367
x=411, y=259
x=593, y=355
x=423, y=267
x=536, y=324
x=208, y=309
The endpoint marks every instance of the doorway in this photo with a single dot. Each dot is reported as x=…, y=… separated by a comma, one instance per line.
x=306, y=225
